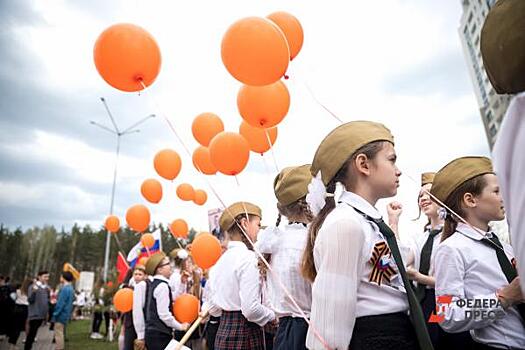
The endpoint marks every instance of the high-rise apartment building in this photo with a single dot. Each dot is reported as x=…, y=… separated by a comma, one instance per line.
x=492, y=106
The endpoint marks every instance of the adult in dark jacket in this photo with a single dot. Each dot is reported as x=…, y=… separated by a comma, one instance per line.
x=38, y=297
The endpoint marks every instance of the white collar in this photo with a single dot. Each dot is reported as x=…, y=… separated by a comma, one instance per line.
x=360, y=204
x=162, y=278
x=470, y=232
x=236, y=244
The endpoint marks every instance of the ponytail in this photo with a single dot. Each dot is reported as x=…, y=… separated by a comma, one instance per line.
x=308, y=267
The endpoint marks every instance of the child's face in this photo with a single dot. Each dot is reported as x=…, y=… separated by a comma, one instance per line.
x=490, y=203
x=384, y=174
x=426, y=205
x=252, y=227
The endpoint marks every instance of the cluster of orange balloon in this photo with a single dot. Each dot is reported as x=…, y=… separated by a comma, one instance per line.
x=219, y=150
x=256, y=50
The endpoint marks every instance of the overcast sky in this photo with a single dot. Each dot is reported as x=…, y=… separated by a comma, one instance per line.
x=398, y=62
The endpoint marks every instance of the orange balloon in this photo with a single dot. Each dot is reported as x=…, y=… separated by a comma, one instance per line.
x=229, y=152
x=202, y=161
x=205, y=250
x=254, y=51
x=200, y=197
x=147, y=240
x=205, y=126
x=292, y=29
x=112, y=224
x=179, y=228
x=186, y=308
x=123, y=300
x=185, y=192
x=142, y=261
x=151, y=189
x=257, y=137
x=138, y=217
x=126, y=56
x=167, y=163
x=263, y=106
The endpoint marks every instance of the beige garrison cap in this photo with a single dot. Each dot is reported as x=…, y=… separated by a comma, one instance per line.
x=153, y=262
x=291, y=184
x=457, y=172
x=427, y=178
x=503, y=46
x=342, y=142
x=227, y=218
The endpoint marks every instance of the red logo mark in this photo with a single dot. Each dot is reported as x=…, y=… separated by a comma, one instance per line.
x=442, y=303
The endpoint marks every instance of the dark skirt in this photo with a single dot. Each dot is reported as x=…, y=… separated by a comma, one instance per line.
x=236, y=332
x=441, y=339
x=291, y=334
x=380, y=332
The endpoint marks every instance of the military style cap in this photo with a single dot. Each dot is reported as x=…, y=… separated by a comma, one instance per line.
x=503, y=46
x=457, y=172
x=292, y=184
x=344, y=141
x=228, y=216
x=153, y=262
x=427, y=178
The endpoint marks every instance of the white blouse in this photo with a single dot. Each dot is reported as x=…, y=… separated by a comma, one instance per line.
x=234, y=285
x=468, y=268
x=286, y=244
x=356, y=274
x=177, y=287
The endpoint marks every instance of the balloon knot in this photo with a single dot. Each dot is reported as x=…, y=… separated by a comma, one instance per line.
x=286, y=77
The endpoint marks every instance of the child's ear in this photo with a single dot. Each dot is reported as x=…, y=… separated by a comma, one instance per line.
x=470, y=200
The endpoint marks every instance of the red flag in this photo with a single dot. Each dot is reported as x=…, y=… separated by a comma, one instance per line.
x=122, y=267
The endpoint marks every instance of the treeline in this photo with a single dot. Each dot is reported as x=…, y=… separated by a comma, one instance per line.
x=24, y=253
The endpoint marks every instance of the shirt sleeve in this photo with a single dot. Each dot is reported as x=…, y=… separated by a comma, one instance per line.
x=207, y=298
x=250, y=293
x=60, y=303
x=334, y=291
x=449, y=274
x=139, y=298
x=161, y=294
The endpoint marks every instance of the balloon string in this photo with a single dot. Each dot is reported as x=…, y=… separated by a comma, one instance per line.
x=271, y=149
x=321, y=104
x=259, y=254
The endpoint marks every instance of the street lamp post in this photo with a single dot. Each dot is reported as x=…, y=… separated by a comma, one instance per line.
x=115, y=131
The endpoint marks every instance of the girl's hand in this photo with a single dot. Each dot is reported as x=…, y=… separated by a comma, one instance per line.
x=394, y=210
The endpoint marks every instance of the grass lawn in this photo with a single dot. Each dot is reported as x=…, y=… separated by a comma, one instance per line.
x=78, y=337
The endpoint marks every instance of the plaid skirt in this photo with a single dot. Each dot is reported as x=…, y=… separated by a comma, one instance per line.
x=235, y=332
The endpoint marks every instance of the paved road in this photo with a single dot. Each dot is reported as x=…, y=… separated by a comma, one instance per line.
x=44, y=340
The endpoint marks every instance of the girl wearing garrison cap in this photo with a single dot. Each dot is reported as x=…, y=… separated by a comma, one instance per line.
x=360, y=292
x=285, y=246
x=422, y=273
x=234, y=286
x=472, y=267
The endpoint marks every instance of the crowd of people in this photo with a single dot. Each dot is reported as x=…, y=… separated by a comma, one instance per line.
x=336, y=275
x=27, y=306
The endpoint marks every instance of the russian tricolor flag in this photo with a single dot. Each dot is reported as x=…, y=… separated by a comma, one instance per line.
x=138, y=251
